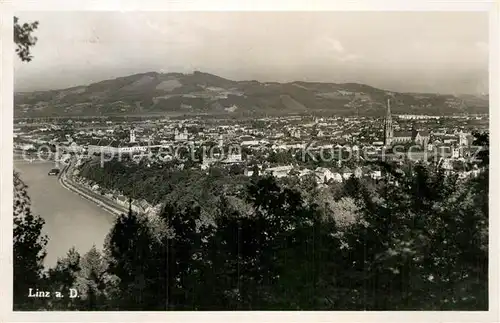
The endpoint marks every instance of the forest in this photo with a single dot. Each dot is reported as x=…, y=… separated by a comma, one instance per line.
x=418, y=240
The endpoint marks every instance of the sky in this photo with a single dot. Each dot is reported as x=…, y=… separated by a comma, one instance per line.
x=440, y=52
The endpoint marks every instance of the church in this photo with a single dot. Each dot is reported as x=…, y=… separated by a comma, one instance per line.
x=392, y=137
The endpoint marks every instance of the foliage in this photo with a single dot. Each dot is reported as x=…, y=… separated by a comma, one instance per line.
x=131, y=248
x=483, y=141
x=29, y=247
x=165, y=184
x=418, y=239
x=94, y=283
x=61, y=279
x=24, y=39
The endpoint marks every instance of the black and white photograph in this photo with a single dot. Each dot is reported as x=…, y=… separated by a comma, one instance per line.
x=251, y=161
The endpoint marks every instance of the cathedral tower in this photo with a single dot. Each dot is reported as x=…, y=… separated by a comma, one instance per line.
x=388, y=130
x=132, y=136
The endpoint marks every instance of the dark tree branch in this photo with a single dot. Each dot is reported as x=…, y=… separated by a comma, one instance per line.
x=24, y=39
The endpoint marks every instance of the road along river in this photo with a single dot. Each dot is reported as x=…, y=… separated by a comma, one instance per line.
x=70, y=220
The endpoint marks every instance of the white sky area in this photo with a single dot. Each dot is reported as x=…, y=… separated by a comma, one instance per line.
x=445, y=52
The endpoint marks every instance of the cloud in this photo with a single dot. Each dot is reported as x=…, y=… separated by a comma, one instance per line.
x=350, y=58
x=336, y=45
x=394, y=50
x=327, y=46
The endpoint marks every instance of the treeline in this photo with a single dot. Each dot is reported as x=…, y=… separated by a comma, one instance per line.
x=164, y=182
x=417, y=241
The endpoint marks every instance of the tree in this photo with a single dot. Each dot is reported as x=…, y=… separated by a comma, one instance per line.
x=29, y=246
x=29, y=242
x=421, y=245
x=93, y=280
x=344, y=211
x=255, y=172
x=483, y=141
x=352, y=187
x=183, y=250
x=61, y=279
x=255, y=260
x=132, y=254
x=24, y=39
x=236, y=169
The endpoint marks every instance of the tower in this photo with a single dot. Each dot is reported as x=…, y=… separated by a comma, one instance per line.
x=132, y=135
x=388, y=130
x=414, y=132
x=462, y=138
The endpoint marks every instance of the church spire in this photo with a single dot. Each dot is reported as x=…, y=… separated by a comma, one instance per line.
x=388, y=131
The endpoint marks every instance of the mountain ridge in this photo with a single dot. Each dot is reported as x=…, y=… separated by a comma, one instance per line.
x=205, y=93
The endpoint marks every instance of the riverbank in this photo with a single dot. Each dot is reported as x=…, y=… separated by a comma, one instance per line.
x=101, y=201
x=70, y=219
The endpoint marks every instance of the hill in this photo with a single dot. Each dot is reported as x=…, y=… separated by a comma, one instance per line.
x=203, y=93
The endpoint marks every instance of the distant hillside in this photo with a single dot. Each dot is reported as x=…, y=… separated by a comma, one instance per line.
x=156, y=93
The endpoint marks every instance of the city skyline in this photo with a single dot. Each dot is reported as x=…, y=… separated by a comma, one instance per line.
x=418, y=56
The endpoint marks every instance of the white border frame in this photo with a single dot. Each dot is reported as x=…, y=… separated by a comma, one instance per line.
x=7, y=10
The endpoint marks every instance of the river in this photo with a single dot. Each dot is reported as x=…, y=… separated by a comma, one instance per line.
x=70, y=220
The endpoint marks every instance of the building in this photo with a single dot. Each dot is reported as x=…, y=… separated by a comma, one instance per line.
x=420, y=137
x=280, y=171
x=324, y=175
x=121, y=200
x=74, y=148
x=141, y=206
x=399, y=137
x=250, y=143
x=376, y=174
x=112, y=147
x=27, y=147
x=346, y=175
x=233, y=158
x=180, y=136
x=132, y=136
x=402, y=137
x=295, y=133
x=388, y=129
x=465, y=139
x=207, y=162
x=418, y=117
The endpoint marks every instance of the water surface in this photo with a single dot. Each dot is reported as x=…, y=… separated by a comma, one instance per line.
x=69, y=219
